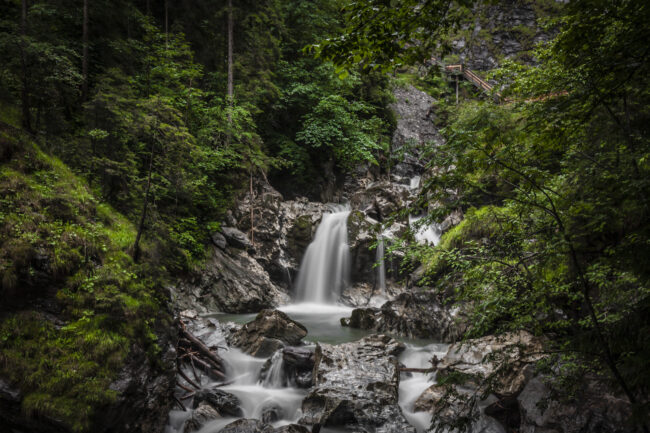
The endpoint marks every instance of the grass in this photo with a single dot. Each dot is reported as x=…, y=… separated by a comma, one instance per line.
x=53, y=229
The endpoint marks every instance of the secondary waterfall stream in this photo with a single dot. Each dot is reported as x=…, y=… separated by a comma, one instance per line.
x=260, y=384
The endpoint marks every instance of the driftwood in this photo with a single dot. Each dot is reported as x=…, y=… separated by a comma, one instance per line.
x=200, y=346
x=193, y=352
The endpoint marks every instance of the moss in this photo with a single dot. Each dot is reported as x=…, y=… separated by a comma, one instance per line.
x=478, y=226
x=53, y=226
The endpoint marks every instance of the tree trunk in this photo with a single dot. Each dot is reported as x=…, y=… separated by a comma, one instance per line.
x=230, y=61
x=84, y=56
x=166, y=24
x=143, y=216
x=26, y=118
x=251, y=209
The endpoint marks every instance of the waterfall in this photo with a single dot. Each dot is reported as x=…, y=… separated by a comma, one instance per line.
x=324, y=269
x=274, y=375
x=415, y=183
x=425, y=234
x=381, y=268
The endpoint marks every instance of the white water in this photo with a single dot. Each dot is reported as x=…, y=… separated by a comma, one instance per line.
x=381, y=267
x=325, y=268
x=410, y=388
x=425, y=234
x=415, y=183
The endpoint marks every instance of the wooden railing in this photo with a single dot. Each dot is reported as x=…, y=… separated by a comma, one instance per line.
x=467, y=73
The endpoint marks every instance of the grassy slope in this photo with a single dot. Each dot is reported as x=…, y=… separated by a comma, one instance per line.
x=61, y=247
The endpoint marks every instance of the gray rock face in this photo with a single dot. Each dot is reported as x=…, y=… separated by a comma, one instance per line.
x=231, y=281
x=507, y=29
x=237, y=239
x=597, y=410
x=282, y=230
x=356, y=387
x=521, y=400
x=414, y=127
x=413, y=315
x=270, y=331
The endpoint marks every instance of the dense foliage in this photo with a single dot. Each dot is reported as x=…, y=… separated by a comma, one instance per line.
x=122, y=149
x=554, y=185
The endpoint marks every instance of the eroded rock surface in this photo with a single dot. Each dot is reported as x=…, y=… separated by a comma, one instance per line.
x=270, y=331
x=231, y=281
x=356, y=387
x=413, y=315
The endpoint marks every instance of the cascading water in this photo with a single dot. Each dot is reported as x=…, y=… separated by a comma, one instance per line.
x=325, y=268
x=425, y=234
x=381, y=267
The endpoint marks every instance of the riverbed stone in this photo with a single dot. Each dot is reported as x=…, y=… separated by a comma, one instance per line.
x=356, y=387
x=199, y=417
x=270, y=331
x=418, y=314
x=223, y=402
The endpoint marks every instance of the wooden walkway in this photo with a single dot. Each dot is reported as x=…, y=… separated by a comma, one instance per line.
x=461, y=70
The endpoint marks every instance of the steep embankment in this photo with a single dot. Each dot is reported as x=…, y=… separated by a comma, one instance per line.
x=83, y=330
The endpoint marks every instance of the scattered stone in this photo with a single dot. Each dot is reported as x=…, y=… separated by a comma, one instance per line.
x=200, y=416
x=270, y=331
x=225, y=403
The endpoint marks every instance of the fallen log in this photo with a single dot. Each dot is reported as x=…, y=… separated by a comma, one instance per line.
x=200, y=346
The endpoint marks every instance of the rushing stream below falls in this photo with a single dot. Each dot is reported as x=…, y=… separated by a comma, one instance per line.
x=260, y=384
x=258, y=394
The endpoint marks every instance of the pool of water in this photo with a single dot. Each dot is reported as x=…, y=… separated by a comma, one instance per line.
x=323, y=323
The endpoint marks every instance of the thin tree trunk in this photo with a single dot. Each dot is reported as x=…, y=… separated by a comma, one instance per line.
x=26, y=118
x=251, y=208
x=84, y=56
x=230, y=60
x=143, y=216
x=166, y=24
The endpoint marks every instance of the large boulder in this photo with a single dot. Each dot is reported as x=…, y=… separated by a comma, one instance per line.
x=270, y=331
x=237, y=239
x=230, y=281
x=356, y=387
x=380, y=199
x=518, y=398
x=225, y=403
x=413, y=315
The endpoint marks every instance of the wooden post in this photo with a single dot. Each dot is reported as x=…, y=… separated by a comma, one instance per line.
x=456, y=89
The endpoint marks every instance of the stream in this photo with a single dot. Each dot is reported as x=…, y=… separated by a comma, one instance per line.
x=268, y=396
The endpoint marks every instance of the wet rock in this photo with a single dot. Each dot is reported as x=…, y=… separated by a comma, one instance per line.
x=298, y=366
x=282, y=230
x=380, y=199
x=247, y=426
x=230, y=281
x=271, y=414
x=356, y=387
x=223, y=402
x=237, y=239
x=200, y=416
x=412, y=315
x=291, y=428
x=270, y=331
